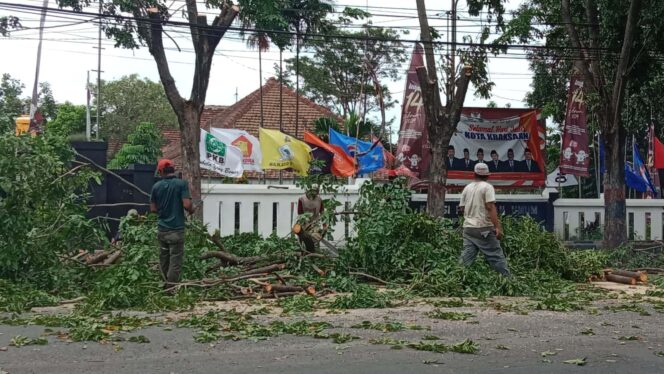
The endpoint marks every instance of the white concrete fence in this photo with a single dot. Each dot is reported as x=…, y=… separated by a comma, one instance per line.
x=644, y=217
x=264, y=209
x=267, y=209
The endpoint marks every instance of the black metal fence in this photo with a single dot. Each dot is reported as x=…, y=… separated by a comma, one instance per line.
x=113, y=198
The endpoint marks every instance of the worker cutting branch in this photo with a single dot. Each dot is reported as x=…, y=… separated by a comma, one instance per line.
x=309, y=210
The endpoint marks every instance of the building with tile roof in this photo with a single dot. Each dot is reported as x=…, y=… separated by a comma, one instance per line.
x=246, y=115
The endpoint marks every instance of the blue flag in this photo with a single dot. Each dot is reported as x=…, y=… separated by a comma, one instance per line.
x=369, y=160
x=634, y=180
x=641, y=170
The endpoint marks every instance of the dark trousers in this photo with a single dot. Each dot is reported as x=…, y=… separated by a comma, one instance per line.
x=484, y=240
x=171, y=245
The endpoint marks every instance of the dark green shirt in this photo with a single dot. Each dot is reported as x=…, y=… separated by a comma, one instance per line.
x=167, y=194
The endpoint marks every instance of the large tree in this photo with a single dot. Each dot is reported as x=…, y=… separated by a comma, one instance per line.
x=336, y=73
x=129, y=101
x=442, y=118
x=11, y=105
x=613, y=46
x=69, y=120
x=135, y=23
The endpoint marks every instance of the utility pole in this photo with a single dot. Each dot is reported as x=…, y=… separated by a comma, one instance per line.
x=99, y=73
x=236, y=94
x=88, y=121
x=35, y=87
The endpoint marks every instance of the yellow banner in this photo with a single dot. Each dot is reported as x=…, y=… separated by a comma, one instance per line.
x=281, y=151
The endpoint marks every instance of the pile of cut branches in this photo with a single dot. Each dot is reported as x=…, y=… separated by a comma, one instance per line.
x=254, y=276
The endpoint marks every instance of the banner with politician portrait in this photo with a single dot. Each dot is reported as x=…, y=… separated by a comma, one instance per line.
x=510, y=141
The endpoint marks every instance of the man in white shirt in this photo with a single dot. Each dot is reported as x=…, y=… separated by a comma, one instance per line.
x=482, y=230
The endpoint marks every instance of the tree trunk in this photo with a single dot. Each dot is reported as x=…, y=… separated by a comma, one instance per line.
x=189, y=119
x=615, y=210
x=437, y=177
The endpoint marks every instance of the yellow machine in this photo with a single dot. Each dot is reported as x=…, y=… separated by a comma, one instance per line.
x=22, y=125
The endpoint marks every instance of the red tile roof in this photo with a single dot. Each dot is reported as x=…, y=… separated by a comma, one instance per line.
x=246, y=113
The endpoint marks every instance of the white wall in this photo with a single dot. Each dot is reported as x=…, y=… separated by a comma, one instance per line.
x=644, y=217
x=262, y=208
x=267, y=208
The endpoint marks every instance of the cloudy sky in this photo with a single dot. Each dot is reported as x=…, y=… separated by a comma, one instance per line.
x=69, y=52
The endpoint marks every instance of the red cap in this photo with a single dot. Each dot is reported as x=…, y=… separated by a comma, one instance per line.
x=164, y=163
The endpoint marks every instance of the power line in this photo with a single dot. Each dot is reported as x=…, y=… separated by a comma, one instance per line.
x=290, y=33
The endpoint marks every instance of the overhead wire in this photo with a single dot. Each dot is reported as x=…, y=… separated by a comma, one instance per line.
x=286, y=32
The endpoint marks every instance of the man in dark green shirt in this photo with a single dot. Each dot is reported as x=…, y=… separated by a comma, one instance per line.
x=169, y=199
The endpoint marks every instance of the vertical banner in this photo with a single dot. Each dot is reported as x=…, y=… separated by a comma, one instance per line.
x=575, y=157
x=413, y=149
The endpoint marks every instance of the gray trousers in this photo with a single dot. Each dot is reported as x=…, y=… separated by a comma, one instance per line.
x=485, y=240
x=170, y=256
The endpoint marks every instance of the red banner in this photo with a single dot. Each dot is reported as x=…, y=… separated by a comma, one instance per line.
x=413, y=149
x=575, y=156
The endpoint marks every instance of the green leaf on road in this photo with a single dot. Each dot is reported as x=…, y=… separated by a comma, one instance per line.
x=576, y=361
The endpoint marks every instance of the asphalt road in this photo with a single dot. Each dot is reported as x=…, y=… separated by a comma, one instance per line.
x=173, y=350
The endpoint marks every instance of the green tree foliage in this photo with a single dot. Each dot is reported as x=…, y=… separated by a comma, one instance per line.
x=335, y=74
x=353, y=126
x=69, y=120
x=8, y=23
x=397, y=244
x=144, y=147
x=143, y=23
x=45, y=102
x=11, y=105
x=613, y=47
x=42, y=209
x=132, y=100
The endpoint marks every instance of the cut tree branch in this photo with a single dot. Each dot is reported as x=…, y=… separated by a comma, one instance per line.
x=112, y=173
x=427, y=41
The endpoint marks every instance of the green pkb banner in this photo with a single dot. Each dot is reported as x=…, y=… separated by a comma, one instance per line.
x=217, y=156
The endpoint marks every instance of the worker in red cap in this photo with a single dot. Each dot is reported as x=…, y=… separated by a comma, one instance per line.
x=169, y=198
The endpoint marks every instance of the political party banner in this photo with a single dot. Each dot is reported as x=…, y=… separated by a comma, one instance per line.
x=342, y=165
x=369, y=159
x=219, y=157
x=247, y=143
x=282, y=151
x=413, y=149
x=510, y=141
x=575, y=156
